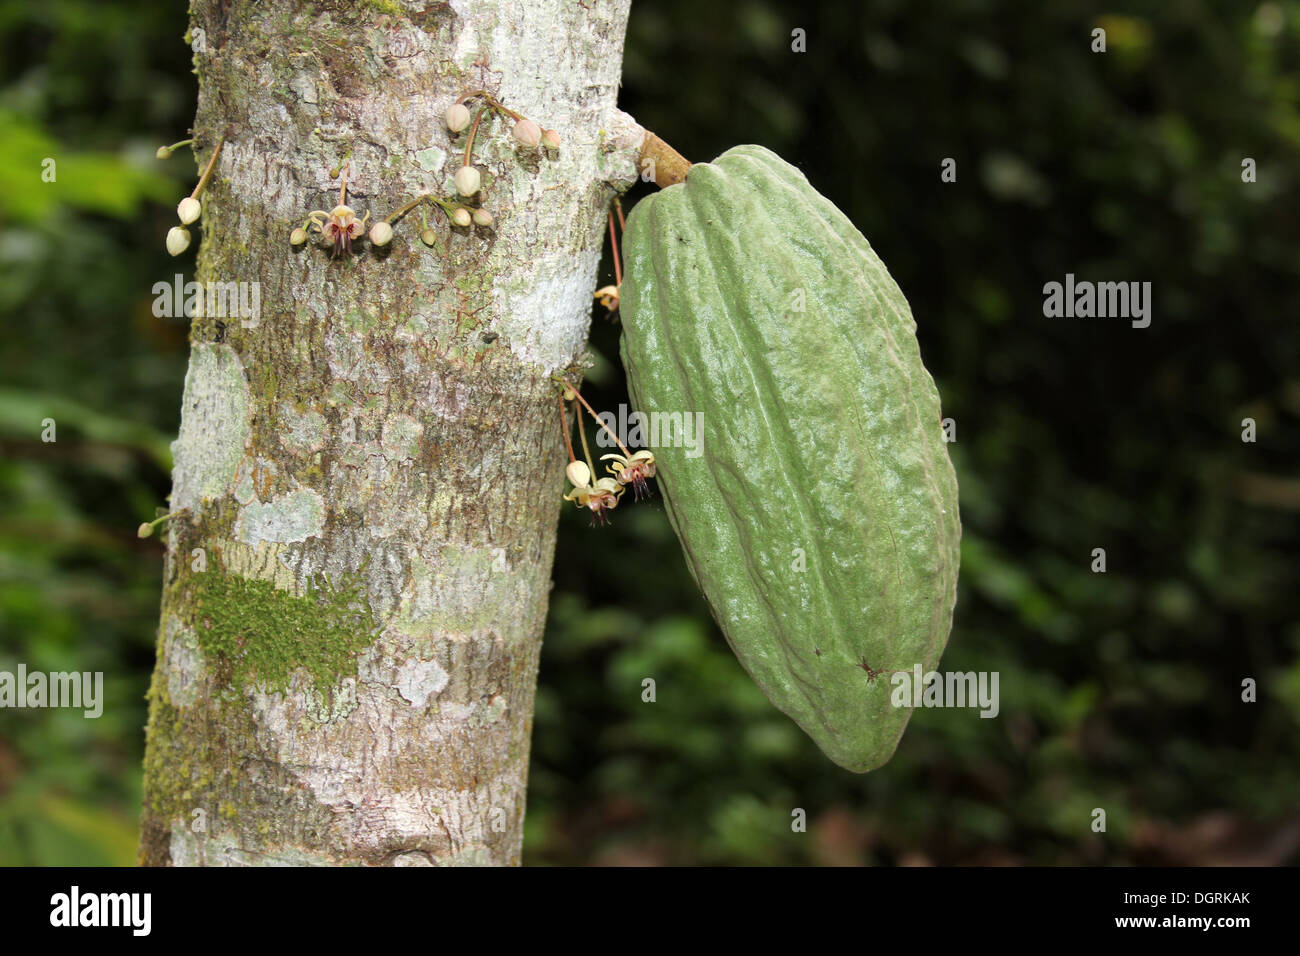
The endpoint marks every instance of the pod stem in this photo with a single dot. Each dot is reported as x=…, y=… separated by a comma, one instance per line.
x=668, y=166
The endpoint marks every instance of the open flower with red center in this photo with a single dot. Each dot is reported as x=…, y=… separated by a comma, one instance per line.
x=598, y=498
x=340, y=226
x=634, y=470
x=608, y=297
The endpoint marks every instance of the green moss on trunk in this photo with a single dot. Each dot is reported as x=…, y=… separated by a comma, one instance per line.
x=253, y=633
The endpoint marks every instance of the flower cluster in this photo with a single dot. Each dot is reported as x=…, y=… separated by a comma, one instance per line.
x=628, y=468
x=339, y=227
x=458, y=118
x=599, y=497
x=188, y=209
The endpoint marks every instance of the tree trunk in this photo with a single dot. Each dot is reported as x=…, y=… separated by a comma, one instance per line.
x=353, y=602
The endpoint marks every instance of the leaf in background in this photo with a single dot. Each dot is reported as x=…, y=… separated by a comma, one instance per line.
x=93, y=182
x=21, y=413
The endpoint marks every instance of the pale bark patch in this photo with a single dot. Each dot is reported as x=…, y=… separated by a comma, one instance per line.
x=186, y=670
x=296, y=516
x=214, y=427
x=559, y=292
x=301, y=433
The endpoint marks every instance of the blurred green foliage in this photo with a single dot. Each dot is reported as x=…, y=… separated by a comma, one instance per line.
x=1118, y=690
x=96, y=88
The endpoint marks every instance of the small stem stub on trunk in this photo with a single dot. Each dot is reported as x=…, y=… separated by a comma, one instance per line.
x=666, y=166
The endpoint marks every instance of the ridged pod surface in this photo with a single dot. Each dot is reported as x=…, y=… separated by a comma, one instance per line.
x=819, y=516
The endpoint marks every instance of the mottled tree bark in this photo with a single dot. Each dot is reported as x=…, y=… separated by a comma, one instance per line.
x=353, y=602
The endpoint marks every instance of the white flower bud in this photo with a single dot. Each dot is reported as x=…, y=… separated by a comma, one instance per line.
x=460, y=216
x=467, y=180
x=482, y=217
x=550, y=139
x=298, y=236
x=178, y=240
x=381, y=233
x=578, y=473
x=457, y=117
x=527, y=132
x=189, y=210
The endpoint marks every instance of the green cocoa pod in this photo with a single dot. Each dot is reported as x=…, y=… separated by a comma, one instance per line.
x=819, y=513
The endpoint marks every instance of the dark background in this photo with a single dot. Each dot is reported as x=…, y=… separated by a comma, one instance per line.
x=1119, y=690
